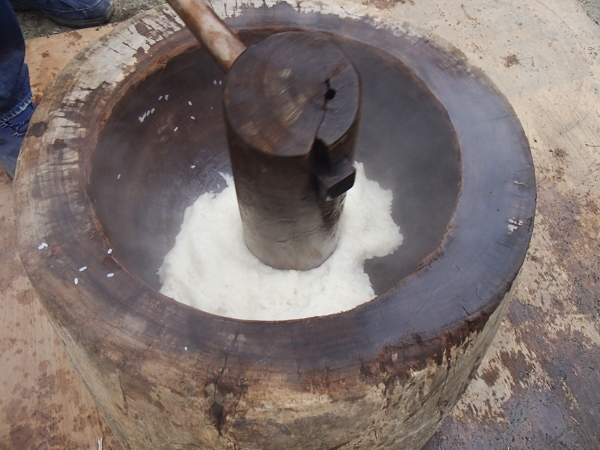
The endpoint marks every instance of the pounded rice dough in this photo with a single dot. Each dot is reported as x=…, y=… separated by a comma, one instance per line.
x=210, y=267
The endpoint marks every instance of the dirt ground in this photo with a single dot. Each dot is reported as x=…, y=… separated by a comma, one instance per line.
x=35, y=24
x=537, y=389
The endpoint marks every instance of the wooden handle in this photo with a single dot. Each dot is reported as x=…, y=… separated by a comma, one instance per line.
x=210, y=30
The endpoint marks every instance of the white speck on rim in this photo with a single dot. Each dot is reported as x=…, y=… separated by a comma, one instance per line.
x=110, y=275
x=42, y=246
x=109, y=251
x=81, y=269
x=141, y=118
x=220, y=82
x=189, y=103
x=215, y=82
x=513, y=224
x=176, y=128
x=192, y=117
x=160, y=98
x=152, y=110
x=76, y=280
x=118, y=176
x=193, y=166
x=185, y=348
x=167, y=97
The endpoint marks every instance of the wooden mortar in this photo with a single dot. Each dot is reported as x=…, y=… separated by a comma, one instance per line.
x=102, y=171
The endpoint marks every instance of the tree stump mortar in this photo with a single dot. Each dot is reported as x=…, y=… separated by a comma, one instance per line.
x=108, y=169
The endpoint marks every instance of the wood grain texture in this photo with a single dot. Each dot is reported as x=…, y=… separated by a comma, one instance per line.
x=210, y=30
x=44, y=404
x=380, y=376
x=538, y=386
x=291, y=105
x=46, y=56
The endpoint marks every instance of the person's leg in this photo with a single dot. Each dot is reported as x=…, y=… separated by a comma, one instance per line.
x=15, y=92
x=72, y=13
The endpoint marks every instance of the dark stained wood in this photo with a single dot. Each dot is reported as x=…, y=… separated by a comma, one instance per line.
x=291, y=107
x=43, y=402
x=167, y=376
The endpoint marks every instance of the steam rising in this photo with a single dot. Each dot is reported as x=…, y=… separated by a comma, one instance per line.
x=210, y=267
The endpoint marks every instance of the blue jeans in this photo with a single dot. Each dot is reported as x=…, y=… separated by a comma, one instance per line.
x=15, y=90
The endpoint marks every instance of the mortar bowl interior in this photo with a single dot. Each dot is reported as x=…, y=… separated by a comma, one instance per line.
x=164, y=144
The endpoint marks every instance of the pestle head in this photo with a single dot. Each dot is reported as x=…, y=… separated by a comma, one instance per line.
x=292, y=107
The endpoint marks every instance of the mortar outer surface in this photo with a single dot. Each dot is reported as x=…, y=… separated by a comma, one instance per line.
x=166, y=376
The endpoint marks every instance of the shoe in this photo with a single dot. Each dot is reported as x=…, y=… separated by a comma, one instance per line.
x=72, y=13
x=11, y=138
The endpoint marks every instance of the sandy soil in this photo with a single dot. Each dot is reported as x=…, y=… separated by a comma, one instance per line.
x=35, y=24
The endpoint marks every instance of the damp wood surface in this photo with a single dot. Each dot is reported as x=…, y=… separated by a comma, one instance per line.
x=43, y=403
x=145, y=355
x=262, y=124
x=539, y=384
x=321, y=383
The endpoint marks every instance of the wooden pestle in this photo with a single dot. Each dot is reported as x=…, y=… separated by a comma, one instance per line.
x=291, y=107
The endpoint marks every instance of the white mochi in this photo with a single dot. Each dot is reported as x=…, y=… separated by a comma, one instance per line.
x=210, y=267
